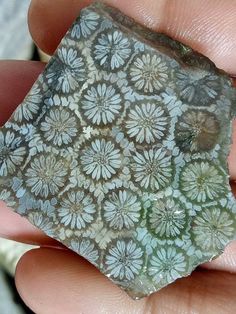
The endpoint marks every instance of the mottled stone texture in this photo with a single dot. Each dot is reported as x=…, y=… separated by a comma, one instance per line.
x=119, y=151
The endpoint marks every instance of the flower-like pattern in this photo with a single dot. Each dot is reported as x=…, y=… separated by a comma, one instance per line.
x=112, y=50
x=76, y=209
x=46, y=175
x=197, y=130
x=31, y=106
x=119, y=152
x=148, y=73
x=198, y=87
x=67, y=71
x=122, y=210
x=86, y=26
x=101, y=103
x=42, y=222
x=167, y=218
x=12, y=152
x=152, y=169
x=147, y=122
x=59, y=126
x=86, y=248
x=213, y=228
x=167, y=265
x=101, y=159
x=124, y=260
x=202, y=181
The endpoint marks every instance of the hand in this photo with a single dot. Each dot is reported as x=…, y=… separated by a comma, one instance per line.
x=54, y=280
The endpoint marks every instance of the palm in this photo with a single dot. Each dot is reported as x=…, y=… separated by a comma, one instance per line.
x=53, y=280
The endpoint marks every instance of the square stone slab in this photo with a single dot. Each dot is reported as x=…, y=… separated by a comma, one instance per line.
x=119, y=152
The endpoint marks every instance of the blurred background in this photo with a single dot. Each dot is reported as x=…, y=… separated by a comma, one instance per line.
x=15, y=43
x=15, y=40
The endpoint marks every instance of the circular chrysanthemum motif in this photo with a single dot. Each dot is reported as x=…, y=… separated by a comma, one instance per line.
x=41, y=221
x=12, y=152
x=213, y=228
x=121, y=210
x=167, y=265
x=197, y=130
x=59, y=126
x=147, y=122
x=85, y=26
x=149, y=73
x=167, y=219
x=67, y=70
x=101, y=159
x=198, y=87
x=152, y=169
x=46, y=175
x=124, y=260
x=31, y=106
x=76, y=209
x=111, y=50
x=101, y=103
x=86, y=248
x=201, y=181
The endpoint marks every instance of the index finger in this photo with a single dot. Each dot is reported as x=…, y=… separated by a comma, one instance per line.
x=207, y=26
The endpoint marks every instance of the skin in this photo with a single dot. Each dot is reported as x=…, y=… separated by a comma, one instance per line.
x=52, y=279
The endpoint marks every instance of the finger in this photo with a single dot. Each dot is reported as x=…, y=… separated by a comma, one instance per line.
x=43, y=21
x=207, y=27
x=53, y=281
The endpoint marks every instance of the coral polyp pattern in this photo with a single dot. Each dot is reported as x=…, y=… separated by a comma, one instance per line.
x=119, y=151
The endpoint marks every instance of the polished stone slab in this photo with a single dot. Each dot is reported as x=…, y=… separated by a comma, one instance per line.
x=119, y=151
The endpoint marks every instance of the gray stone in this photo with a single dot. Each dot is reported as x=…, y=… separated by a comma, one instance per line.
x=120, y=151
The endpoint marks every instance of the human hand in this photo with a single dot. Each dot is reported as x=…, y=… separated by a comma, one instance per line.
x=54, y=280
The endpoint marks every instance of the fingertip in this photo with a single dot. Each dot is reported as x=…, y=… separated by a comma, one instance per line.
x=23, y=268
x=48, y=22
x=207, y=28
x=55, y=281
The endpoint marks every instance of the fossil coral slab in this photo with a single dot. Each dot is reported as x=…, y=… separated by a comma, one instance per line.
x=119, y=151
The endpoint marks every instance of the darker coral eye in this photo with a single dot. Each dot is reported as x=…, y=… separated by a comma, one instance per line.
x=197, y=131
